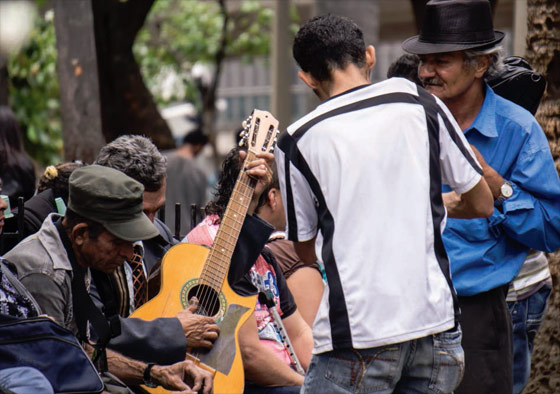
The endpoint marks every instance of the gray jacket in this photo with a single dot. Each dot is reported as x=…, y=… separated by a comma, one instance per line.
x=45, y=270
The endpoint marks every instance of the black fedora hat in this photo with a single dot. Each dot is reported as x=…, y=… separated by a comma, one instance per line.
x=454, y=25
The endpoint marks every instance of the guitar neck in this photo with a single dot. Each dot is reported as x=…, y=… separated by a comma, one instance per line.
x=219, y=258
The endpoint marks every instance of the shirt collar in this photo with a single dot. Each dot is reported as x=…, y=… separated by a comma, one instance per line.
x=485, y=121
x=67, y=245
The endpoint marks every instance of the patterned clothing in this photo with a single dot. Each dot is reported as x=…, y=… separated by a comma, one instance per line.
x=15, y=301
x=266, y=277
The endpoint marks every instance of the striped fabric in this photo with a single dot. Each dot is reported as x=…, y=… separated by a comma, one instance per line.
x=533, y=275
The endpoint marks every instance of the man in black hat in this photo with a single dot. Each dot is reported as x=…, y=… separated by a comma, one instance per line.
x=360, y=178
x=458, y=49
x=103, y=219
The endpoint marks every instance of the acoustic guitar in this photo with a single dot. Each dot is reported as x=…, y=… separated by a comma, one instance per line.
x=189, y=271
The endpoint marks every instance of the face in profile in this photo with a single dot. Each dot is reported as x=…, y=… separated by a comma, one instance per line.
x=104, y=253
x=153, y=201
x=445, y=75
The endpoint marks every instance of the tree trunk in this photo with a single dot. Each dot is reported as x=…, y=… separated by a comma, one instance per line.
x=78, y=80
x=543, y=53
x=4, y=91
x=208, y=93
x=127, y=107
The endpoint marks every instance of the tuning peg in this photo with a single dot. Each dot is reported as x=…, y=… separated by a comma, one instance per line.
x=272, y=149
x=247, y=122
x=244, y=139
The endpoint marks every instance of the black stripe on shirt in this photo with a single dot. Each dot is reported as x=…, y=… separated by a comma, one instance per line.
x=289, y=146
x=338, y=314
x=427, y=100
x=356, y=106
x=436, y=201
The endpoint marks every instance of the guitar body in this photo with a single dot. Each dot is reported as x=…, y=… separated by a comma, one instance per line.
x=181, y=268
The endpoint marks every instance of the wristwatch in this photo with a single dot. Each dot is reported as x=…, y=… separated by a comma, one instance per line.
x=506, y=191
x=148, y=382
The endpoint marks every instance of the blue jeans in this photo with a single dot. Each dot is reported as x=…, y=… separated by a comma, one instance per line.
x=527, y=316
x=432, y=364
x=25, y=380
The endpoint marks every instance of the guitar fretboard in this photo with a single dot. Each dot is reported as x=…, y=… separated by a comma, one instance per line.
x=217, y=264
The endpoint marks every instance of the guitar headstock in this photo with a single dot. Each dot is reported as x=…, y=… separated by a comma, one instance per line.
x=260, y=131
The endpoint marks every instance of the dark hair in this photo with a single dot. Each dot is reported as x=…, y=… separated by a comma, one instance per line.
x=405, y=66
x=195, y=137
x=56, y=178
x=138, y=158
x=226, y=182
x=329, y=42
x=72, y=219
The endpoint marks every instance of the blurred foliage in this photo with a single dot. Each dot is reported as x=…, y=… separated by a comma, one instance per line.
x=181, y=33
x=177, y=35
x=34, y=95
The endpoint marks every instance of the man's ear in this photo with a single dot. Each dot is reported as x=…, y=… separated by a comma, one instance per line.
x=308, y=79
x=370, y=57
x=482, y=65
x=79, y=232
x=272, y=196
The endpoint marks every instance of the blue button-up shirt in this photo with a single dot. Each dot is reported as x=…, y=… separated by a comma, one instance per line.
x=487, y=253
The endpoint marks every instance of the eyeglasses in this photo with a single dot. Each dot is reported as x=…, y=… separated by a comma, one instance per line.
x=7, y=212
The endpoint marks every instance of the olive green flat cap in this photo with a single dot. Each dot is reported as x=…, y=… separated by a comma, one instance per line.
x=111, y=198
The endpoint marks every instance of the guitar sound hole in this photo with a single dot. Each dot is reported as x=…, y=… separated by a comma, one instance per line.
x=208, y=300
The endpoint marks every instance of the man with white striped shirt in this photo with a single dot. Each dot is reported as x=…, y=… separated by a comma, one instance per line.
x=361, y=182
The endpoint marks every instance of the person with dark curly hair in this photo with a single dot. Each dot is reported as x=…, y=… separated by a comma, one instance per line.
x=360, y=177
x=266, y=360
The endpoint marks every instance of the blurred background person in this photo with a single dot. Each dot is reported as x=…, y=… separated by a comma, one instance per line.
x=18, y=172
x=186, y=182
x=52, y=196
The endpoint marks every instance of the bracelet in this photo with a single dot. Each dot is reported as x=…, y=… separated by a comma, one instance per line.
x=147, y=378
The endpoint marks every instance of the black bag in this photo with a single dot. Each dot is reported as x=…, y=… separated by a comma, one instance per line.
x=519, y=83
x=41, y=343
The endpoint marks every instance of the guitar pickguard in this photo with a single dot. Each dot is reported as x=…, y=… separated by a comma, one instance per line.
x=223, y=352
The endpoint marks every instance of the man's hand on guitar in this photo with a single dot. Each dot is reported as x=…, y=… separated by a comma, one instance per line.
x=200, y=331
x=177, y=376
x=259, y=169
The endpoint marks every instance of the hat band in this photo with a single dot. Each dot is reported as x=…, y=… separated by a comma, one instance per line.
x=458, y=38
x=102, y=215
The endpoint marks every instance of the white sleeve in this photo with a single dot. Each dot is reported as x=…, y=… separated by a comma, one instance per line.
x=459, y=167
x=298, y=199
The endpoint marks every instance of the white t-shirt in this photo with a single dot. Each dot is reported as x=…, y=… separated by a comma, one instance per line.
x=363, y=171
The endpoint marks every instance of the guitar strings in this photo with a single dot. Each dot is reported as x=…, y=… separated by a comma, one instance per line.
x=245, y=187
x=208, y=301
